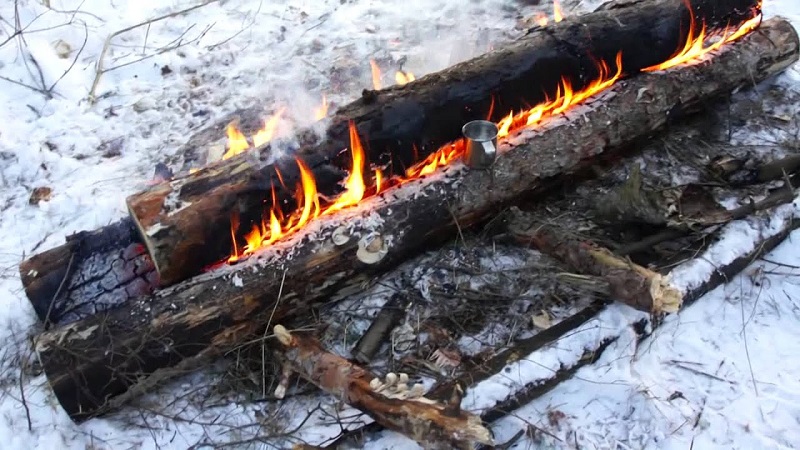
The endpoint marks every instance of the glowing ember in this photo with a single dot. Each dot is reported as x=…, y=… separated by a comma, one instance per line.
x=541, y=19
x=402, y=78
x=695, y=48
x=558, y=15
x=321, y=112
x=376, y=75
x=274, y=225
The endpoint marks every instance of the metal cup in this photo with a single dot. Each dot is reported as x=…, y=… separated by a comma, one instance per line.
x=481, y=143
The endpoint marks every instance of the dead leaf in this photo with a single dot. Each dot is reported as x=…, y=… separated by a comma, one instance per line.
x=542, y=321
x=40, y=194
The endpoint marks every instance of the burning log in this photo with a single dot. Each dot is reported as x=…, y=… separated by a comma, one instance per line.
x=90, y=362
x=186, y=223
x=392, y=403
x=91, y=272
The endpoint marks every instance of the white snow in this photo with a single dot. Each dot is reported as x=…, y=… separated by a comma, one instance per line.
x=732, y=355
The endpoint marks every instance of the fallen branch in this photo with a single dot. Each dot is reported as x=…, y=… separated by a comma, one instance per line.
x=391, y=403
x=627, y=281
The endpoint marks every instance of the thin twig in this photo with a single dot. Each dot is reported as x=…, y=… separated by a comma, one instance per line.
x=100, y=67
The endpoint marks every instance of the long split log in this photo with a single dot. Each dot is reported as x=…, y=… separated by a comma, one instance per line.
x=186, y=223
x=90, y=362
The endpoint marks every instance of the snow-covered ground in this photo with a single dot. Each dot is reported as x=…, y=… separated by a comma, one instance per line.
x=722, y=374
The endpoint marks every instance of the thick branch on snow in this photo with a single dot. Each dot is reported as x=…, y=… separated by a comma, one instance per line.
x=392, y=402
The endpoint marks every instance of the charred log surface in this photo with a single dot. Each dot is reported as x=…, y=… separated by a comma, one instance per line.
x=91, y=272
x=90, y=362
x=186, y=223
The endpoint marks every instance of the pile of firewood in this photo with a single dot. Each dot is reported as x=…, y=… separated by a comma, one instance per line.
x=129, y=305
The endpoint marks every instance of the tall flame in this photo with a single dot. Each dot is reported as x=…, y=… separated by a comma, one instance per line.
x=321, y=111
x=402, y=78
x=695, y=47
x=354, y=186
x=376, y=75
x=274, y=225
x=558, y=14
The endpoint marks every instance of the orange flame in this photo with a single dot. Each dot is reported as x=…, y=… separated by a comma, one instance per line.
x=541, y=19
x=266, y=134
x=354, y=186
x=274, y=225
x=308, y=207
x=237, y=142
x=378, y=181
x=321, y=111
x=694, y=50
x=376, y=74
x=402, y=78
x=558, y=15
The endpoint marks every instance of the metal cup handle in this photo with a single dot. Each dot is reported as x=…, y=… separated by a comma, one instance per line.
x=488, y=148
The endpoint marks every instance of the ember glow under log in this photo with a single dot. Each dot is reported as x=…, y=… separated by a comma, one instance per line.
x=186, y=223
x=90, y=362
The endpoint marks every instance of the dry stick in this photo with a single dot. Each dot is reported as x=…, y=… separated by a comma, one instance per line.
x=392, y=403
x=372, y=340
x=630, y=283
x=779, y=197
x=99, y=68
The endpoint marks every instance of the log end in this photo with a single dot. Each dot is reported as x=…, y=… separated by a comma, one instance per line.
x=666, y=297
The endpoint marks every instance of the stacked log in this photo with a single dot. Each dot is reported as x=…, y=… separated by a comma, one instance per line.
x=186, y=223
x=334, y=256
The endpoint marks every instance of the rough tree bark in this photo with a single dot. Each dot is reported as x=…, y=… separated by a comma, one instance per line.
x=392, y=402
x=186, y=223
x=628, y=282
x=90, y=362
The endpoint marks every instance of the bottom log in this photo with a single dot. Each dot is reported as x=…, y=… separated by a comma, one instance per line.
x=90, y=362
x=90, y=273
